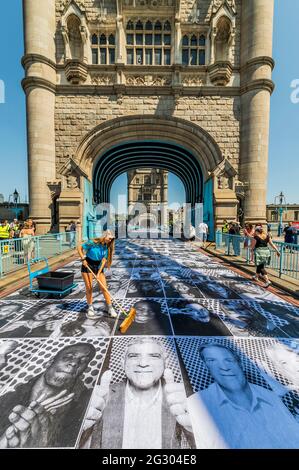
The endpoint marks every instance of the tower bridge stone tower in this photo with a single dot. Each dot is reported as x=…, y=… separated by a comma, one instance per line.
x=104, y=77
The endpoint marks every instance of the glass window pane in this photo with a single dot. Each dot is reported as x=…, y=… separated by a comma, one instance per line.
x=193, y=57
x=185, y=41
x=158, y=26
x=149, y=26
x=95, y=56
x=130, y=25
x=111, y=56
x=103, y=39
x=185, y=57
x=94, y=39
x=193, y=41
x=167, y=26
x=139, y=56
x=130, y=56
x=139, y=25
x=103, y=53
x=148, y=39
x=130, y=39
x=167, y=56
x=167, y=39
x=148, y=56
x=202, y=57
x=158, y=39
x=112, y=40
x=158, y=56
x=139, y=39
x=202, y=41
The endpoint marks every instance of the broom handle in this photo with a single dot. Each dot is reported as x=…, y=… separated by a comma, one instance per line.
x=106, y=290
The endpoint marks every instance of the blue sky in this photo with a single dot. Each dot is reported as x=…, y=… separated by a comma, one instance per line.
x=284, y=137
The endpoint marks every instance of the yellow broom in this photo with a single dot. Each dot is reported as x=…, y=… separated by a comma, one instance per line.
x=130, y=316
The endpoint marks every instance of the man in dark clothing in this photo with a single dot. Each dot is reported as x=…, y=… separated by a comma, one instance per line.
x=48, y=410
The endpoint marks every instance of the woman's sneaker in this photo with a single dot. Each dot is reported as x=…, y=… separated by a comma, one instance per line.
x=268, y=284
x=111, y=312
x=91, y=315
x=255, y=277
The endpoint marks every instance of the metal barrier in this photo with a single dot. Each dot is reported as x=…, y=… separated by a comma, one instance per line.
x=15, y=252
x=235, y=245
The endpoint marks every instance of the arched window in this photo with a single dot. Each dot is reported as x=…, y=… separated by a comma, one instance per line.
x=148, y=44
x=194, y=49
x=103, y=39
x=167, y=26
x=130, y=25
x=94, y=39
x=149, y=26
x=103, y=49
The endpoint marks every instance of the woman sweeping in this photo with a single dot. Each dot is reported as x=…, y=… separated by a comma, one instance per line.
x=96, y=255
x=262, y=255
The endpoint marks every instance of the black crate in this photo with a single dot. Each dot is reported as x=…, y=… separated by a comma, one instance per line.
x=58, y=281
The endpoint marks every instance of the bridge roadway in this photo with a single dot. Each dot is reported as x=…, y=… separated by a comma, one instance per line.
x=66, y=381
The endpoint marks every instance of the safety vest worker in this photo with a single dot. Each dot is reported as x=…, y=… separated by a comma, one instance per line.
x=225, y=228
x=4, y=231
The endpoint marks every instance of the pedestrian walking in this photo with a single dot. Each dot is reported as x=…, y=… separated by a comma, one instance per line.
x=249, y=232
x=262, y=254
x=27, y=235
x=203, y=232
x=72, y=230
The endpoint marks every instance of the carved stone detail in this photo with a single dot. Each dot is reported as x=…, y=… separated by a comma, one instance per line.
x=76, y=71
x=220, y=73
x=148, y=80
x=103, y=80
x=193, y=80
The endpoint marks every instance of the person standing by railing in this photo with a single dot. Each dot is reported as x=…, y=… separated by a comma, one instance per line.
x=249, y=234
x=262, y=254
x=27, y=235
x=5, y=230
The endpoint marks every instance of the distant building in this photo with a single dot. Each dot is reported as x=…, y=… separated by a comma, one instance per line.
x=149, y=187
x=7, y=211
x=291, y=214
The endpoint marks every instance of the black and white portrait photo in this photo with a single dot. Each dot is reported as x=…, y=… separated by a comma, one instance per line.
x=233, y=406
x=247, y=319
x=40, y=320
x=151, y=317
x=140, y=274
x=76, y=324
x=145, y=288
x=190, y=317
x=214, y=289
x=140, y=401
x=181, y=288
x=283, y=315
x=46, y=408
x=251, y=291
x=10, y=310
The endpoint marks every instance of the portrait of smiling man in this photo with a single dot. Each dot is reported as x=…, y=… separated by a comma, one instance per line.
x=233, y=413
x=148, y=410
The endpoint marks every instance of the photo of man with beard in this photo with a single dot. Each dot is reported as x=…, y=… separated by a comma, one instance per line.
x=48, y=410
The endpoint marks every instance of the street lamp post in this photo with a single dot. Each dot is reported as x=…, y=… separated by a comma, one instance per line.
x=15, y=200
x=281, y=208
